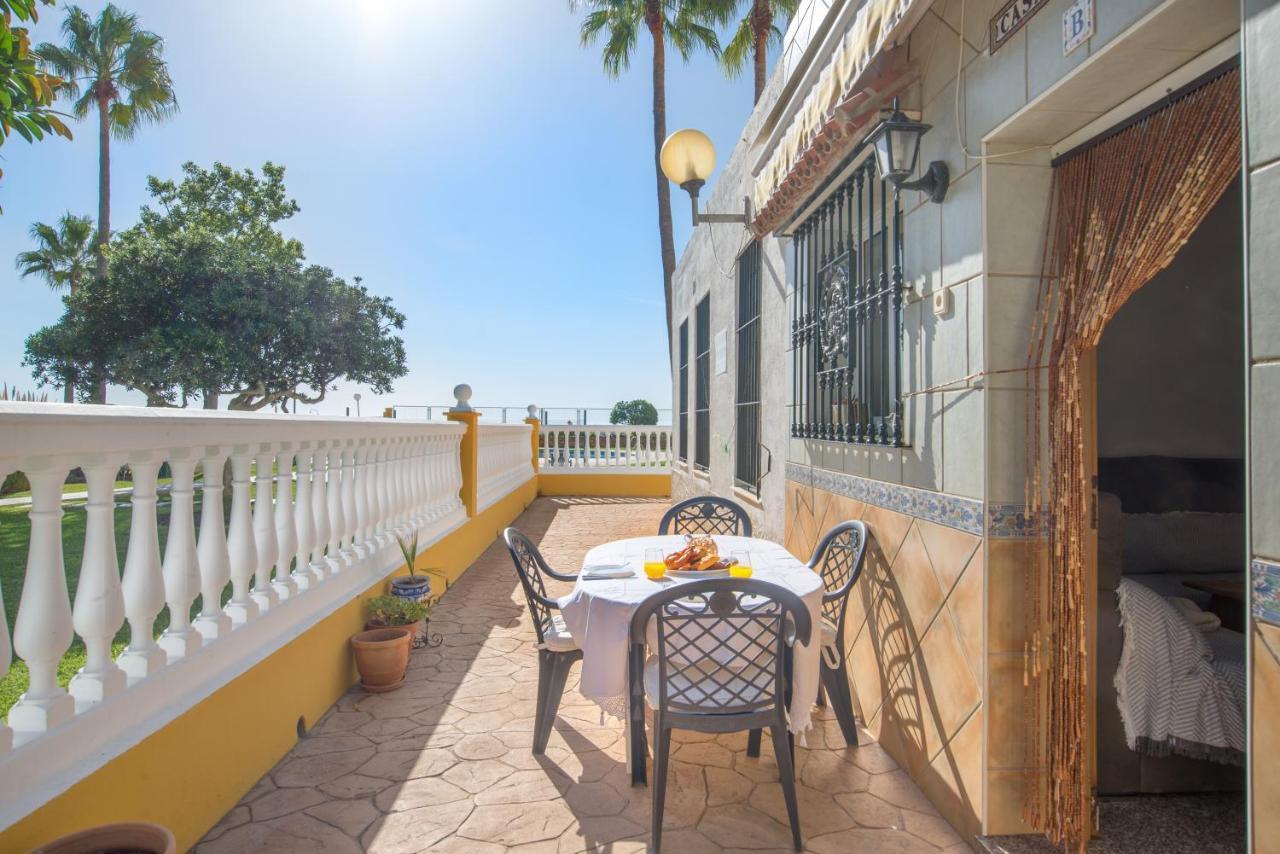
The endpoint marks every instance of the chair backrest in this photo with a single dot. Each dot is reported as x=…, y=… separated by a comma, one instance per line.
x=838, y=559
x=706, y=514
x=722, y=645
x=532, y=569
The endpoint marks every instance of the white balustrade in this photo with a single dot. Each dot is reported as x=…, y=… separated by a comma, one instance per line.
x=181, y=566
x=242, y=550
x=609, y=449
x=349, y=505
x=504, y=461
x=264, y=529
x=143, y=581
x=6, y=660
x=337, y=524
x=286, y=586
x=359, y=481
x=99, y=607
x=42, y=633
x=303, y=575
x=215, y=562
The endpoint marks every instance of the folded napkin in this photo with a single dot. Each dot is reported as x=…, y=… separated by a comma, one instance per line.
x=610, y=570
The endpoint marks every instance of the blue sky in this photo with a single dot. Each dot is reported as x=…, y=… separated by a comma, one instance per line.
x=468, y=159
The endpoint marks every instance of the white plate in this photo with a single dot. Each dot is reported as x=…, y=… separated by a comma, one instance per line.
x=698, y=573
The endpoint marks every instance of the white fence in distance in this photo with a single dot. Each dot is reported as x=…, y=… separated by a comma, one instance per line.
x=608, y=449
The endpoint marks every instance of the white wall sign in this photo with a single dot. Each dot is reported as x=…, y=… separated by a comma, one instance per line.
x=1077, y=25
x=722, y=353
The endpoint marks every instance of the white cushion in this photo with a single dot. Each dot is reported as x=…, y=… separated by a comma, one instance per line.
x=558, y=639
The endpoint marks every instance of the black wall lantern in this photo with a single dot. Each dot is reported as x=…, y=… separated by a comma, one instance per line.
x=896, y=142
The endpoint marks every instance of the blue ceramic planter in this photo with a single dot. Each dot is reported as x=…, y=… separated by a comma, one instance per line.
x=413, y=588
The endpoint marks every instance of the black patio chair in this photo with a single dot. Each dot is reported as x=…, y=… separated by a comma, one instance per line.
x=706, y=514
x=721, y=663
x=838, y=558
x=557, y=649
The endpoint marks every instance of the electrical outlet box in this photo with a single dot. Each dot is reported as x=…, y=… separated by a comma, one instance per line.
x=942, y=302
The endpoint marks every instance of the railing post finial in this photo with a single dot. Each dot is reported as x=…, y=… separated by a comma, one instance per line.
x=462, y=392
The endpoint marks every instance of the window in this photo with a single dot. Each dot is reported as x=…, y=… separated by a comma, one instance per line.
x=747, y=396
x=684, y=391
x=846, y=323
x=702, y=387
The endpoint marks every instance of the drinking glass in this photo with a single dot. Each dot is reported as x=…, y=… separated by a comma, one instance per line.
x=654, y=566
x=741, y=568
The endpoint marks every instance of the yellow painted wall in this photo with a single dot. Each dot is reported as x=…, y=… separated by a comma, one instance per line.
x=622, y=485
x=189, y=774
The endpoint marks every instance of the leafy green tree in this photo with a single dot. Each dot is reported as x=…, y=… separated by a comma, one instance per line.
x=114, y=66
x=229, y=204
x=205, y=297
x=63, y=257
x=634, y=412
x=27, y=92
x=687, y=25
x=752, y=35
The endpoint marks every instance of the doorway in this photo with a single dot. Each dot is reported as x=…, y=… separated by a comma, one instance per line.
x=1169, y=440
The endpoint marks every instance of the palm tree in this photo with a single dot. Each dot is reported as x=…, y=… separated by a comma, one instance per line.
x=63, y=257
x=111, y=64
x=688, y=25
x=752, y=36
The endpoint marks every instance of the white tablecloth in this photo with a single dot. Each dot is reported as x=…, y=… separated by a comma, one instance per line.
x=598, y=615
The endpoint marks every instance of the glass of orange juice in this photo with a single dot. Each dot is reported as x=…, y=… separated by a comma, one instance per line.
x=741, y=567
x=654, y=566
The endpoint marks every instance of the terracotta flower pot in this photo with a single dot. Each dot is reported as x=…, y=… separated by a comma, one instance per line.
x=130, y=836
x=419, y=629
x=381, y=657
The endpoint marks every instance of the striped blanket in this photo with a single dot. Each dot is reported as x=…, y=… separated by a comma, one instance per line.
x=1172, y=697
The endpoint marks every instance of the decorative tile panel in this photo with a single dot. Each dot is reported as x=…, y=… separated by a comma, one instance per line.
x=1013, y=522
x=1266, y=590
x=953, y=511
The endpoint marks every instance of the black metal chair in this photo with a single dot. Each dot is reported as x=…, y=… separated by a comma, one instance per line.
x=557, y=649
x=721, y=663
x=706, y=514
x=838, y=558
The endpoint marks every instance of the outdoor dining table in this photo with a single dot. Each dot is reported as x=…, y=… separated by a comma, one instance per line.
x=598, y=614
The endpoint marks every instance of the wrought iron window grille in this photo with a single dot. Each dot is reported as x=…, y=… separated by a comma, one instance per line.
x=702, y=385
x=747, y=394
x=683, y=426
x=846, y=325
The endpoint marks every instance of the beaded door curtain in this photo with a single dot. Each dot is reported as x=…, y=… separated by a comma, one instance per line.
x=1120, y=210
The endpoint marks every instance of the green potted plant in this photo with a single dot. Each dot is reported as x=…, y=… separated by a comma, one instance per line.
x=392, y=611
x=413, y=586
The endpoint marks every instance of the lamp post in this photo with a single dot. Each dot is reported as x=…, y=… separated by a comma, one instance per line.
x=357, y=397
x=896, y=142
x=688, y=158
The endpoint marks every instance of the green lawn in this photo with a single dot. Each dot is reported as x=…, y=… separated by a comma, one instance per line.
x=14, y=536
x=15, y=531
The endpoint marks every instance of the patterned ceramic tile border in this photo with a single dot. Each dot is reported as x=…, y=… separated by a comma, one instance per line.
x=1003, y=521
x=1013, y=522
x=1266, y=590
x=950, y=510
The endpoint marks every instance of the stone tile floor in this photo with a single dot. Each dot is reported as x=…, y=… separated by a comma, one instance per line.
x=444, y=764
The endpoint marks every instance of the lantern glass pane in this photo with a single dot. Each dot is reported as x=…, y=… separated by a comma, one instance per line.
x=906, y=147
x=884, y=153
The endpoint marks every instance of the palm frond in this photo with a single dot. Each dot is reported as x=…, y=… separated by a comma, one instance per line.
x=738, y=52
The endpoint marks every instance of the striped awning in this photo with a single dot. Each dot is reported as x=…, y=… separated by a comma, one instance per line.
x=839, y=104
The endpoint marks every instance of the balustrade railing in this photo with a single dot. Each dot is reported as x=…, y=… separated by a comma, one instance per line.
x=504, y=461
x=611, y=448
x=313, y=510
